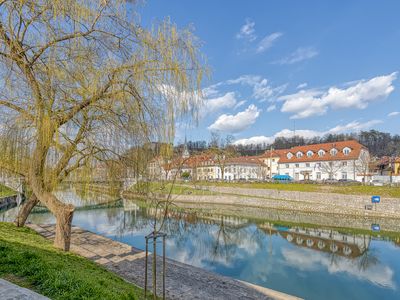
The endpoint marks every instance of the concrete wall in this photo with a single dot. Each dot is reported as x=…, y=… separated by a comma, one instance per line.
x=300, y=201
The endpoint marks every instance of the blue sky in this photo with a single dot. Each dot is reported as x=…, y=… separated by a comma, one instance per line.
x=317, y=66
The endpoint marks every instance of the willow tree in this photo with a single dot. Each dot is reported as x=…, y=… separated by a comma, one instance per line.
x=80, y=80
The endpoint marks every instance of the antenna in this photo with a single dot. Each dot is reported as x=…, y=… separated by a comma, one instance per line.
x=294, y=128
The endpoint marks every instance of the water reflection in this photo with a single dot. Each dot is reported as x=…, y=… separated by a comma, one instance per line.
x=310, y=262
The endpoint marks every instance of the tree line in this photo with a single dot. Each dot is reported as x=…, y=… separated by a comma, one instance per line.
x=379, y=143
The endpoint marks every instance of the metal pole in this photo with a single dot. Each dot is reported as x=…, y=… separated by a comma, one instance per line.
x=163, y=267
x=145, y=268
x=154, y=267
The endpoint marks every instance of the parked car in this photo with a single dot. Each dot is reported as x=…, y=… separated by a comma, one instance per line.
x=377, y=182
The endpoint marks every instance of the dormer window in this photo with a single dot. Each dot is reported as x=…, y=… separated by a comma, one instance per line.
x=321, y=152
x=289, y=155
x=310, y=153
x=333, y=152
x=299, y=154
x=346, y=151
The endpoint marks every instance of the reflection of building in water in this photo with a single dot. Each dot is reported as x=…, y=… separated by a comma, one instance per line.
x=323, y=239
x=129, y=205
x=205, y=218
x=227, y=220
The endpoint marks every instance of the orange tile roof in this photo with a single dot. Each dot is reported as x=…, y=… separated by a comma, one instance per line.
x=248, y=160
x=275, y=153
x=339, y=146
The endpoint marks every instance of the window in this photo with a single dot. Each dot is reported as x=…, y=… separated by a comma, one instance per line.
x=321, y=152
x=344, y=175
x=346, y=151
x=318, y=175
x=289, y=155
x=344, y=163
x=307, y=165
x=287, y=166
x=310, y=153
x=297, y=166
x=299, y=154
x=333, y=152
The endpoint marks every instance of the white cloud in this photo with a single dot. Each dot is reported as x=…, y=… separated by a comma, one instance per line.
x=247, y=31
x=262, y=90
x=307, y=103
x=300, y=54
x=239, y=104
x=307, y=259
x=271, y=108
x=302, y=86
x=238, y=122
x=268, y=41
x=353, y=126
x=226, y=101
x=394, y=113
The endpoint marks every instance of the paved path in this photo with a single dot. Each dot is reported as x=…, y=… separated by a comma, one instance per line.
x=10, y=291
x=182, y=281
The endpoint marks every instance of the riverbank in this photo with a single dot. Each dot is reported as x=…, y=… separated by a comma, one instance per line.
x=29, y=260
x=182, y=281
x=309, y=202
x=338, y=188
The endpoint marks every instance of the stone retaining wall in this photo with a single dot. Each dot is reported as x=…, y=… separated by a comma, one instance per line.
x=342, y=202
x=296, y=216
x=312, y=205
x=8, y=201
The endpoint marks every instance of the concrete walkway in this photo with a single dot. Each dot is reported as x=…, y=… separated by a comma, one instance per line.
x=10, y=291
x=182, y=281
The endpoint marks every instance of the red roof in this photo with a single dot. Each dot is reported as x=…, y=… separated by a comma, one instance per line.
x=248, y=160
x=354, y=146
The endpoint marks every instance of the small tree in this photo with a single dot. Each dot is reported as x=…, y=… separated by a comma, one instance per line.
x=220, y=152
x=362, y=164
x=331, y=168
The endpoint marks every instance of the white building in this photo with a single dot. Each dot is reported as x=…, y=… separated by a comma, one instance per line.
x=340, y=160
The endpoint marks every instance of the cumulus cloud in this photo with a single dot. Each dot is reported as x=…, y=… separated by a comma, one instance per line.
x=247, y=31
x=307, y=103
x=300, y=54
x=238, y=122
x=226, y=101
x=394, y=113
x=268, y=41
x=353, y=126
x=262, y=89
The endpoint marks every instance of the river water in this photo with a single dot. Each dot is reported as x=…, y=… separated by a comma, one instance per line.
x=312, y=262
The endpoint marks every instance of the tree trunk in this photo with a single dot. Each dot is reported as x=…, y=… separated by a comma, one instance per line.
x=63, y=227
x=26, y=210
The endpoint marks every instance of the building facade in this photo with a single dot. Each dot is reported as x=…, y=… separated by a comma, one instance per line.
x=347, y=160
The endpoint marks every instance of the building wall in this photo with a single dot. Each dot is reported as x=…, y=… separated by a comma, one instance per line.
x=344, y=169
x=272, y=166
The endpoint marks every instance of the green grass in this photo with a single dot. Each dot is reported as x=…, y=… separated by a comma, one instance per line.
x=29, y=260
x=5, y=191
x=166, y=188
x=266, y=185
x=384, y=191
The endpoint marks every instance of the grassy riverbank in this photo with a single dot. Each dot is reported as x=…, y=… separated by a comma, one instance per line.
x=5, y=191
x=383, y=191
x=29, y=260
x=168, y=187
